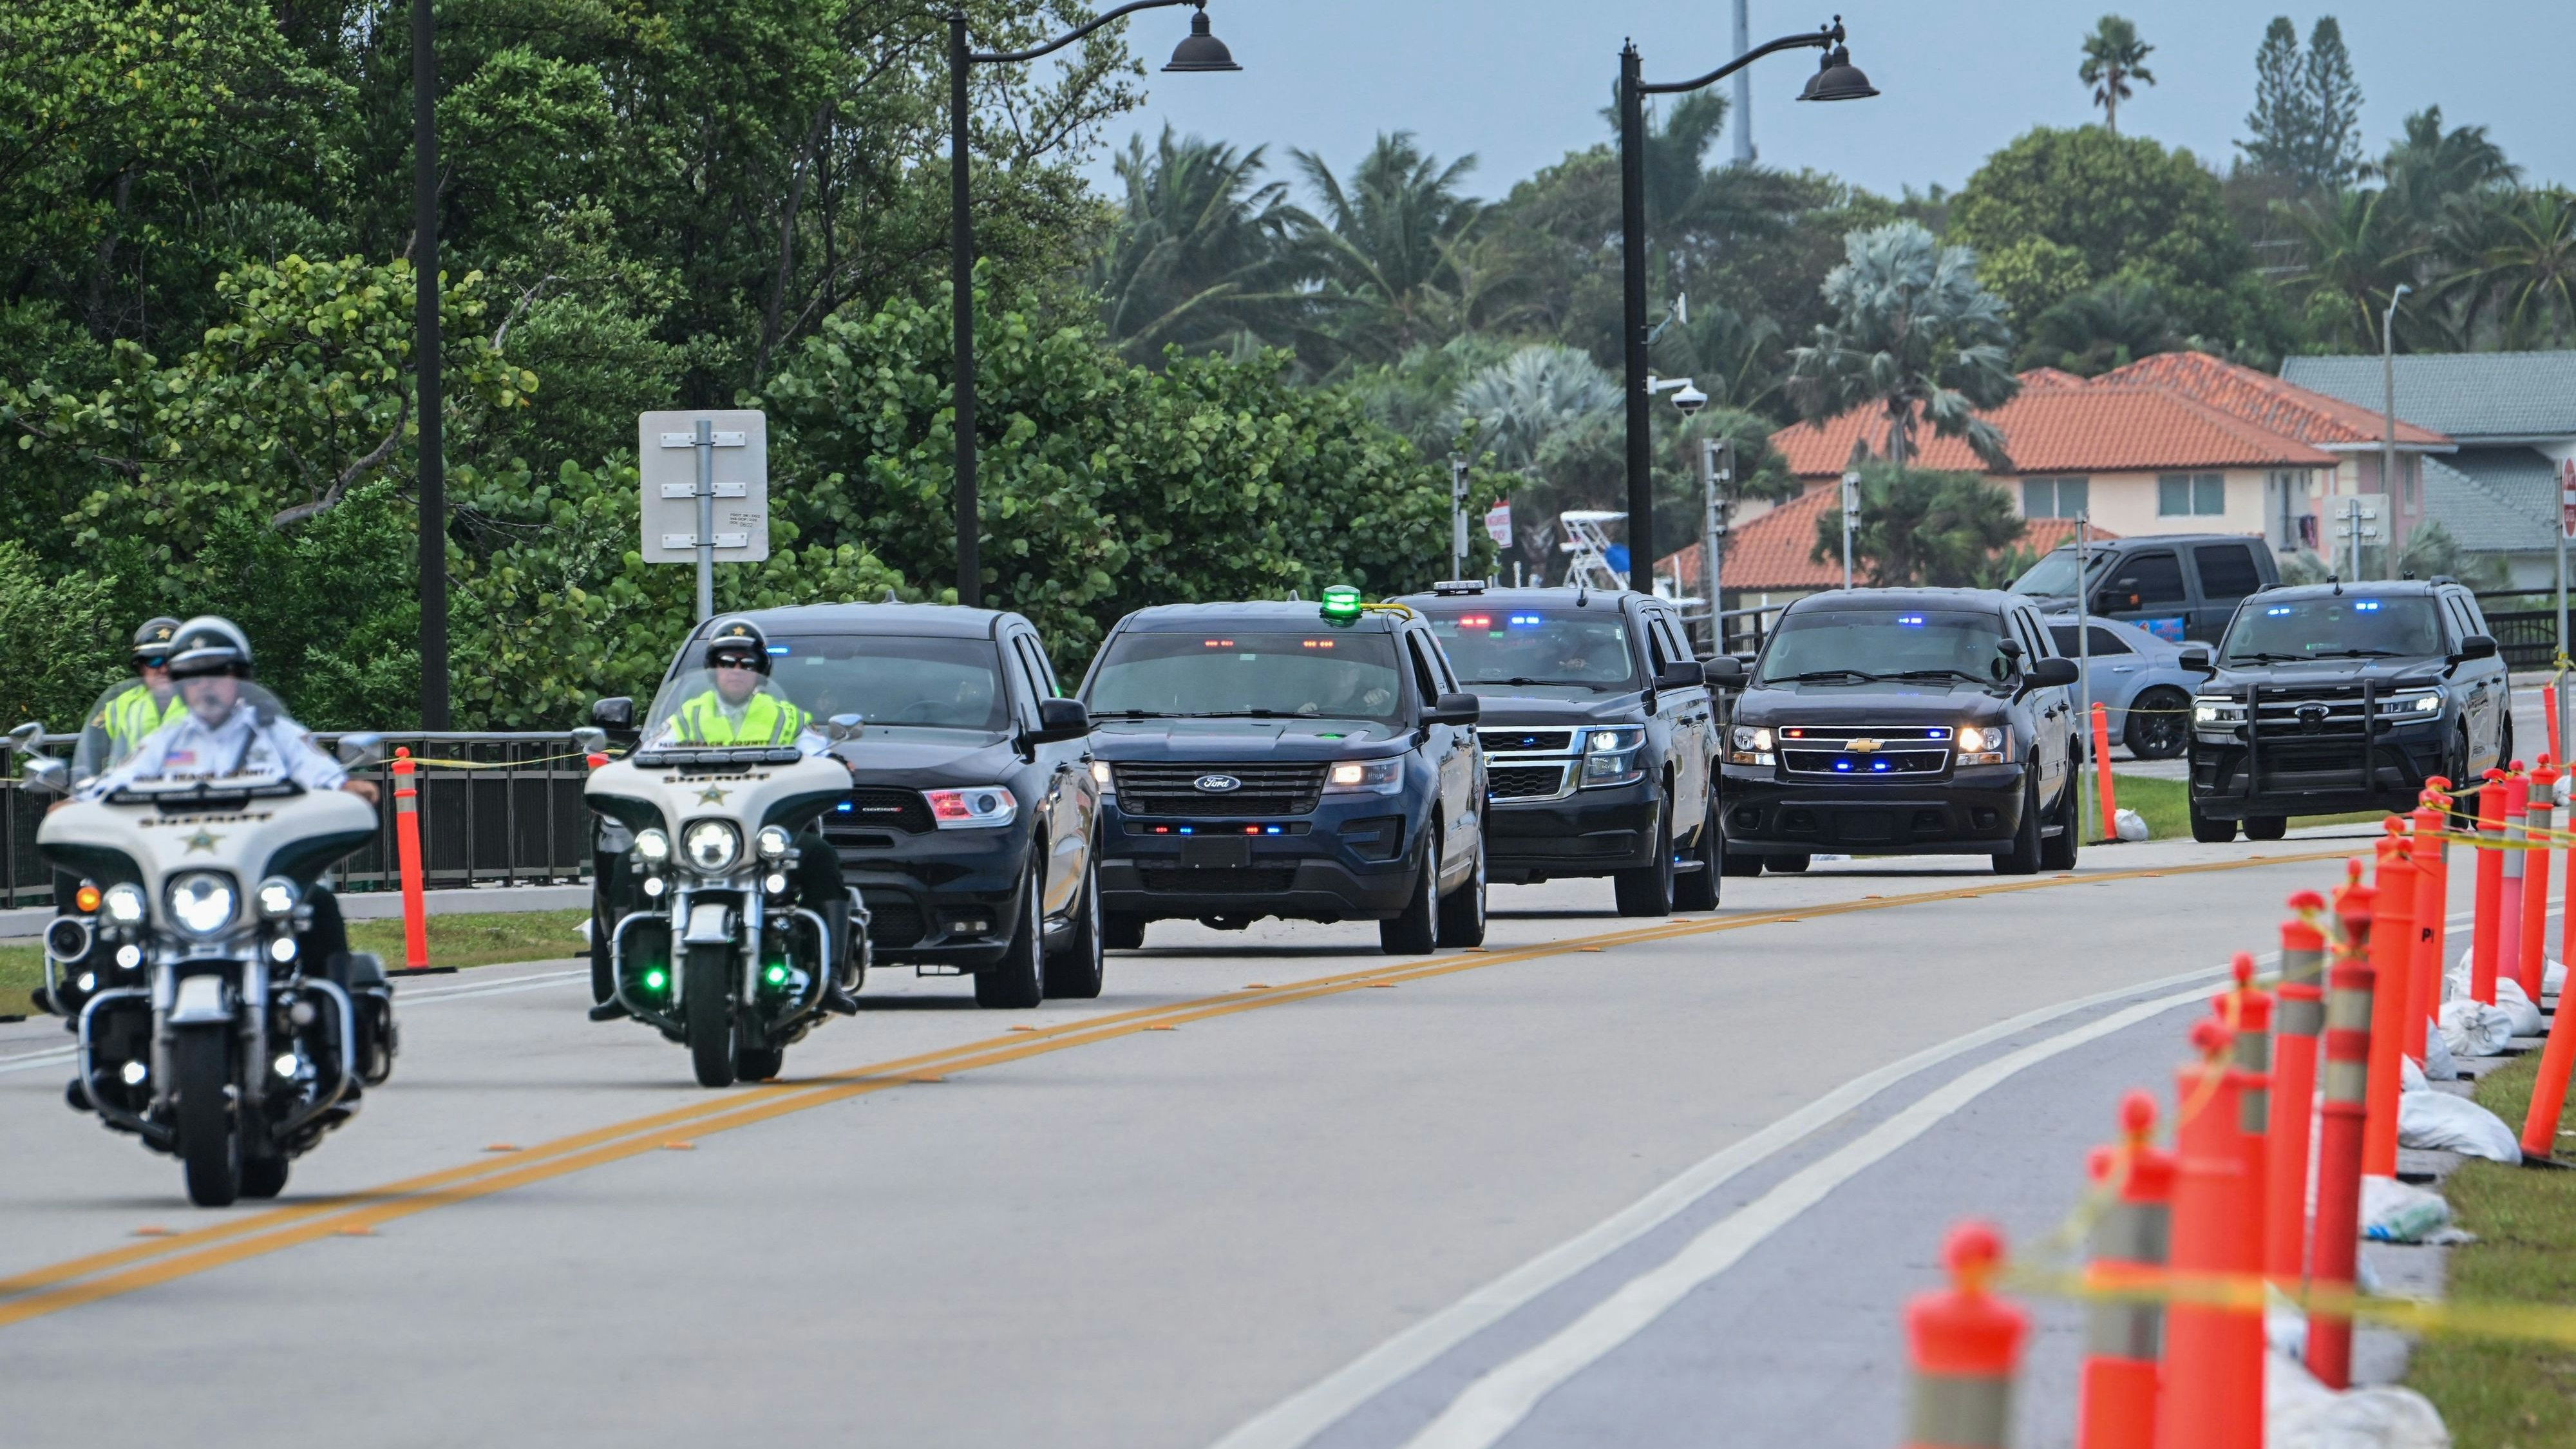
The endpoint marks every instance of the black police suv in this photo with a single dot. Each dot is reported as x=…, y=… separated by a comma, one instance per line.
x=2331, y=697
x=2176, y=586
x=970, y=828
x=1301, y=760
x=1904, y=722
x=1600, y=738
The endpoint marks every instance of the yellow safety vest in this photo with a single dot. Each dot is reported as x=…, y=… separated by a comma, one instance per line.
x=132, y=717
x=766, y=720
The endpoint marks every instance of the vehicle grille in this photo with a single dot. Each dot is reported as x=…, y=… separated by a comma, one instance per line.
x=881, y=808
x=1164, y=788
x=1526, y=782
x=1880, y=762
x=1218, y=880
x=1512, y=741
x=1826, y=750
x=893, y=921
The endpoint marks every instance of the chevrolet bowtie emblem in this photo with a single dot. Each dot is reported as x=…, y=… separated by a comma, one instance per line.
x=203, y=840
x=1861, y=747
x=712, y=795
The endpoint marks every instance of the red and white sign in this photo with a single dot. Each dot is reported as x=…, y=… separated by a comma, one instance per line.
x=2567, y=496
x=1498, y=524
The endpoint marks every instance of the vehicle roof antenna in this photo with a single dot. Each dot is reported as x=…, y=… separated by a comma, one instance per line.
x=891, y=597
x=1582, y=592
x=2337, y=581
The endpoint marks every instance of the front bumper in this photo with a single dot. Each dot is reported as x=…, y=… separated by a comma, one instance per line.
x=940, y=897
x=1351, y=858
x=1971, y=811
x=2233, y=778
x=1587, y=833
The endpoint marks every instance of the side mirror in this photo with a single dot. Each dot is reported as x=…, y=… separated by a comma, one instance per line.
x=2197, y=661
x=1682, y=674
x=2010, y=649
x=841, y=728
x=45, y=775
x=590, y=739
x=23, y=738
x=617, y=712
x=2047, y=673
x=1059, y=720
x=2478, y=646
x=1454, y=709
x=361, y=750
x=1725, y=671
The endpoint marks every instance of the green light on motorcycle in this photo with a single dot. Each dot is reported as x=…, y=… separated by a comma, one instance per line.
x=776, y=975
x=656, y=979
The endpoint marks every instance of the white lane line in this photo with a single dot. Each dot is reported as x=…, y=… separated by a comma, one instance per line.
x=33, y=1060
x=1495, y=1404
x=1295, y=1420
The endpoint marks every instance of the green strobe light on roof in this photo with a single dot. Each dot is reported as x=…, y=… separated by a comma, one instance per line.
x=1341, y=601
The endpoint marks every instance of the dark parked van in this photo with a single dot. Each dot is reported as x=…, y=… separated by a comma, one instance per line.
x=2178, y=585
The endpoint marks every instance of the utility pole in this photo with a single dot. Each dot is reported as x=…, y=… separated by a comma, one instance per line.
x=1851, y=519
x=2084, y=668
x=1457, y=518
x=2566, y=520
x=425, y=359
x=2388, y=438
x=1717, y=475
x=1743, y=86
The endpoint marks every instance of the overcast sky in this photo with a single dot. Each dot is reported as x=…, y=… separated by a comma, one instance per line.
x=1520, y=82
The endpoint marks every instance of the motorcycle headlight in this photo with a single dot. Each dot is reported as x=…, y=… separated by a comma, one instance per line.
x=124, y=904
x=652, y=847
x=712, y=845
x=979, y=808
x=201, y=902
x=774, y=843
x=276, y=897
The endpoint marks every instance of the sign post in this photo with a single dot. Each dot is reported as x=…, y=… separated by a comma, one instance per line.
x=705, y=480
x=1717, y=469
x=1851, y=520
x=1457, y=518
x=2566, y=526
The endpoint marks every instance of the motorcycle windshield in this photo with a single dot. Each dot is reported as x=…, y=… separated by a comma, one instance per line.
x=727, y=707
x=115, y=727
x=220, y=732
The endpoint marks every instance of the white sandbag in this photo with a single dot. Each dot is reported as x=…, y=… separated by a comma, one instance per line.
x=2410, y=1077
x=2285, y=1324
x=584, y=928
x=2396, y=1212
x=2456, y=1124
x=2517, y=1007
x=2553, y=976
x=2300, y=1413
x=2475, y=1029
x=2455, y=981
x=2438, y=1064
x=2128, y=825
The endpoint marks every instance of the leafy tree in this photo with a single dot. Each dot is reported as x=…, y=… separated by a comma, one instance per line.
x=2113, y=57
x=2331, y=155
x=1390, y=248
x=1518, y=404
x=60, y=638
x=1200, y=254
x=2284, y=114
x=1926, y=529
x=2359, y=249
x=2108, y=325
x=1914, y=335
x=2533, y=270
x=2306, y=121
x=2431, y=550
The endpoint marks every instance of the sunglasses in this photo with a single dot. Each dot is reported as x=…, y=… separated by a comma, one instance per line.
x=152, y=661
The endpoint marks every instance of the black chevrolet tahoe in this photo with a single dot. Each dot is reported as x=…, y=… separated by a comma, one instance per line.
x=970, y=825
x=1600, y=738
x=1302, y=760
x=2329, y=698
x=1904, y=722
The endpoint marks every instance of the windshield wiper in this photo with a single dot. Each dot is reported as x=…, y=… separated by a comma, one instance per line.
x=1243, y=714
x=2259, y=657
x=1131, y=714
x=1936, y=674
x=1818, y=676
x=2356, y=654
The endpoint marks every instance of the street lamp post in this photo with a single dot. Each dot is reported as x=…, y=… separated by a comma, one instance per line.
x=2388, y=439
x=1836, y=79
x=1201, y=51
x=425, y=358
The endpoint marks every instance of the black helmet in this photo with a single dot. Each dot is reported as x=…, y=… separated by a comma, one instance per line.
x=208, y=645
x=152, y=641
x=736, y=637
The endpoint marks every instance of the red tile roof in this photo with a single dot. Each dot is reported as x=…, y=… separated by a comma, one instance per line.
x=2264, y=400
x=1774, y=552
x=2054, y=428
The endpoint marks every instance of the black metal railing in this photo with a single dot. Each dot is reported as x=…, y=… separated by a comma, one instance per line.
x=2524, y=623
x=495, y=809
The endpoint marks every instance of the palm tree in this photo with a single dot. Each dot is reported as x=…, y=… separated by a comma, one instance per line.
x=2108, y=325
x=1390, y=248
x=2112, y=56
x=2534, y=270
x=2359, y=248
x=1914, y=333
x=1520, y=402
x=1200, y=251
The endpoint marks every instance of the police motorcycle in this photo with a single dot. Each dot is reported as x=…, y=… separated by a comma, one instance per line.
x=215, y=1022
x=738, y=936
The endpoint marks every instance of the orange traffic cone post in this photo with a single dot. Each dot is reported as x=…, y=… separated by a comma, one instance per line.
x=2335, y=1249
x=2213, y=1389
x=1965, y=1348
x=2392, y=953
x=2539, y=816
x=2297, y=1016
x=2116, y=1403
x=2490, y=890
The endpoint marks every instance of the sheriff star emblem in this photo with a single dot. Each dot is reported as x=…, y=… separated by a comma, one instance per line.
x=203, y=840
x=713, y=795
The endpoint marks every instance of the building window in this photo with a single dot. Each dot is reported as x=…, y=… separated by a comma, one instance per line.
x=2055, y=497
x=2190, y=495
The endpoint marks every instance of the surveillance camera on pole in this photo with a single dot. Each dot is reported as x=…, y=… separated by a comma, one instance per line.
x=1690, y=399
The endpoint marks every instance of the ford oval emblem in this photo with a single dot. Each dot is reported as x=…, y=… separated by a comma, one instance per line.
x=1217, y=784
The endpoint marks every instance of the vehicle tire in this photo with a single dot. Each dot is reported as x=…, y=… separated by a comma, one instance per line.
x=1018, y=980
x=1648, y=889
x=1786, y=864
x=603, y=971
x=759, y=1064
x=1698, y=890
x=2159, y=725
x=209, y=1145
x=2024, y=857
x=2266, y=827
x=1076, y=971
x=2455, y=766
x=2059, y=853
x=2504, y=744
x=1741, y=866
x=1122, y=930
x=1462, y=912
x=2208, y=831
x=263, y=1177
x=1416, y=932
x=706, y=1004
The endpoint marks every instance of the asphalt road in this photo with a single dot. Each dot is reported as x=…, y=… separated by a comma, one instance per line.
x=1607, y=1181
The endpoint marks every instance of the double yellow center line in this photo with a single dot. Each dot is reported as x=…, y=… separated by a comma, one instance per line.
x=144, y=1264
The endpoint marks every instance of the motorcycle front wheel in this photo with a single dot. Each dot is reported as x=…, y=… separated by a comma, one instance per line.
x=706, y=1002
x=208, y=1142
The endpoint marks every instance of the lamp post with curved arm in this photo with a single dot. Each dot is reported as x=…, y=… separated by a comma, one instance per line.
x=1200, y=51
x=1835, y=79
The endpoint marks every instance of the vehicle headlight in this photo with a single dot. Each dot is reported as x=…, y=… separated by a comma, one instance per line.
x=1973, y=740
x=774, y=842
x=1610, y=755
x=2216, y=710
x=1752, y=737
x=652, y=847
x=201, y=902
x=276, y=897
x=1364, y=777
x=712, y=845
x=2428, y=704
x=1100, y=776
x=124, y=903
x=979, y=807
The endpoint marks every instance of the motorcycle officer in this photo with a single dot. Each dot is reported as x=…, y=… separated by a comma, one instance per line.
x=125, y=719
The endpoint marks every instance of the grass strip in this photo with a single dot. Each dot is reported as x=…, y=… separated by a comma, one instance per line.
x=2166, y=806
x=2495, y=1394
x=459, y=940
